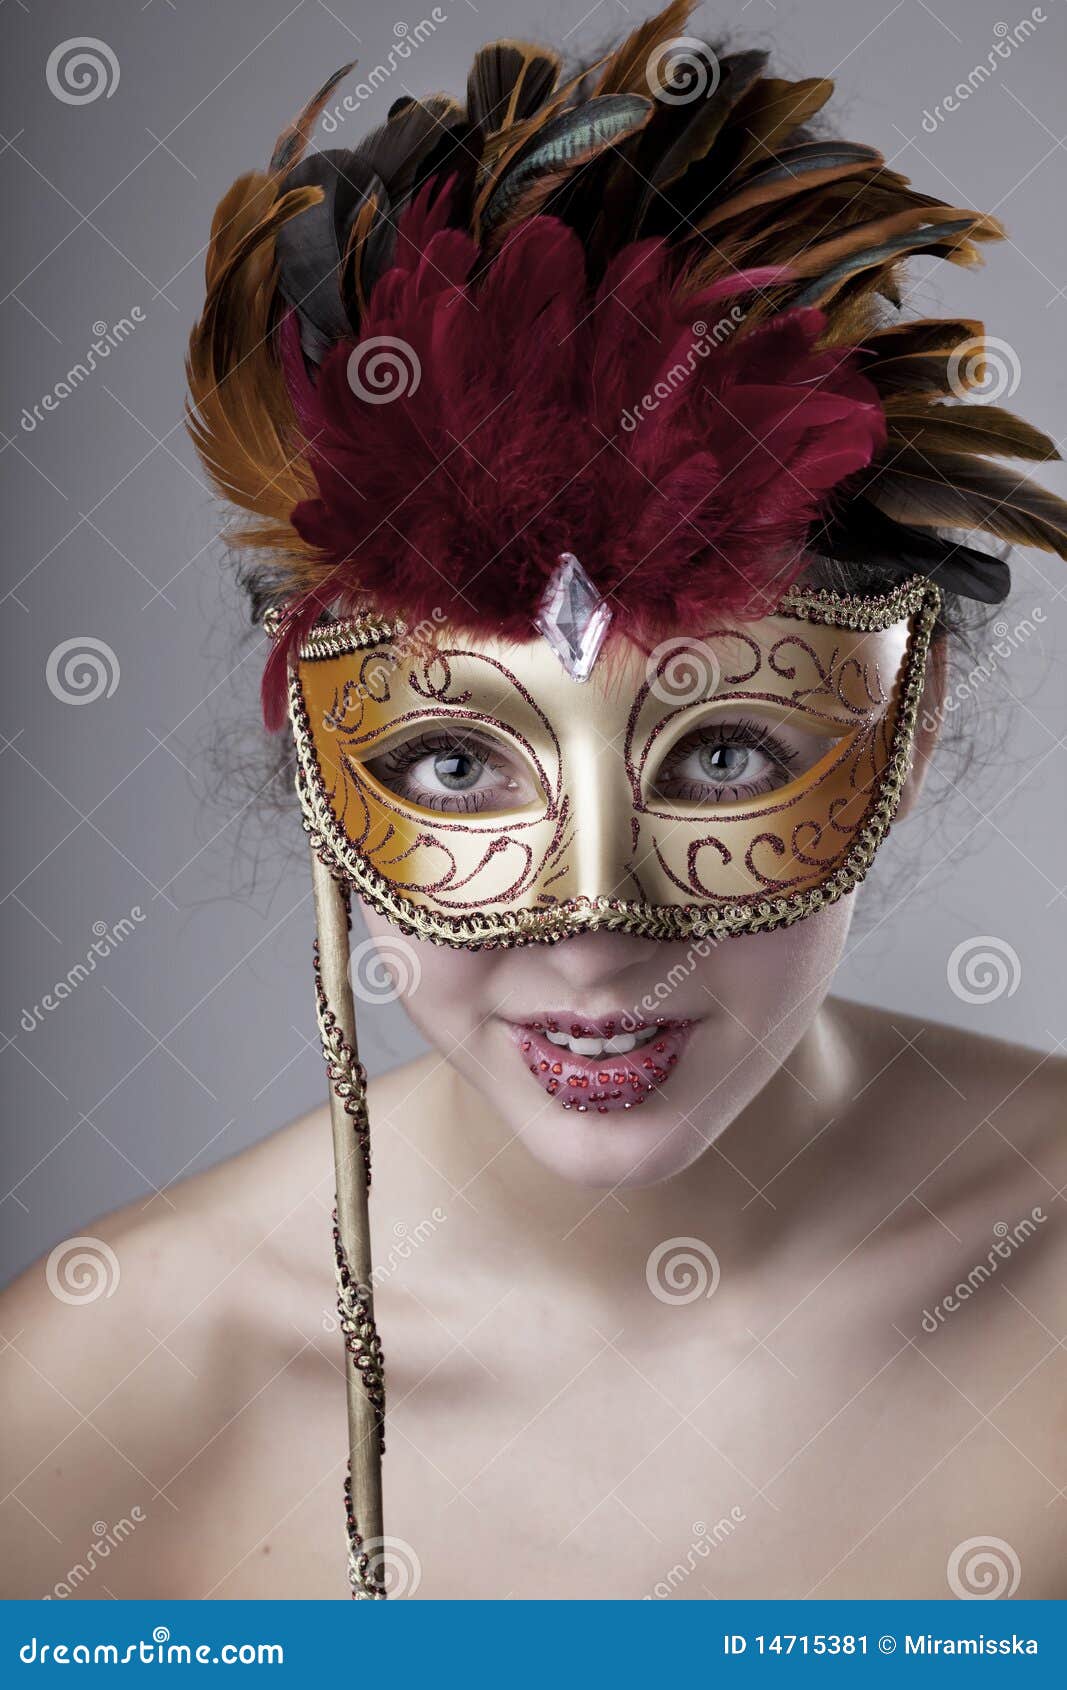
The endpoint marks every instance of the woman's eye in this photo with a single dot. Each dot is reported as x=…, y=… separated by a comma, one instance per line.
x=446, y=770
x=724, y=761
x=728, y=762
x=457, y=770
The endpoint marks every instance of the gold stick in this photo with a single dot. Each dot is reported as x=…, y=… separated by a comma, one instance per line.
x=364, y=1376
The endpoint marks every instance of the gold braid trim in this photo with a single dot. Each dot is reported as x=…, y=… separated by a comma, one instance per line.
x=364, y=1585
x=917, y=597
x=855, y=610
x=366, y=629
x=348, y=1079
x=347, y=1075
x=360, y=1333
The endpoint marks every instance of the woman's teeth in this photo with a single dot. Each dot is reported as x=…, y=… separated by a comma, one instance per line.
x=619, y=1045
x=601, y=1071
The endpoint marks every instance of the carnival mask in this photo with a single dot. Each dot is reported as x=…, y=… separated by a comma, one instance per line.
x=478, y=791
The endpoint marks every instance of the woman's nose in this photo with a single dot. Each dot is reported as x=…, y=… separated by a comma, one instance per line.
x=596, y=959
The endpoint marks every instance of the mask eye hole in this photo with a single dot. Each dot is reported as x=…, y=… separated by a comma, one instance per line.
x=731, y=760
x=456, y=767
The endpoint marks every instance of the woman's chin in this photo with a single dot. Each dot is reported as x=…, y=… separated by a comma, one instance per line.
x=634, y=1148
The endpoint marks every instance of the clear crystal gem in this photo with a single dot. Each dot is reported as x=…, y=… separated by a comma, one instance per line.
x=573, y=617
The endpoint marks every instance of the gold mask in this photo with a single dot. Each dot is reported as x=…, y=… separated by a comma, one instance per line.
x=737, y=780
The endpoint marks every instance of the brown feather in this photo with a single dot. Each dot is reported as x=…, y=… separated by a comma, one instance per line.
x=873, y=265
x=921, y=372
x=985, y=430
x=221, y=318
x=508, y=81
x=779, y=182
x=352, y=266
x=703, y=125
x=240, y=416
x=239, y=210
x=811, y=260
x=291, y=144
x=626, y=71
x=771, y=111
x=921, y=335
x=395, y=150
x=952, y=490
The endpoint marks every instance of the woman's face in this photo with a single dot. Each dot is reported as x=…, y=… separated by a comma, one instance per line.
x=618, y=1060
x=685, y=1033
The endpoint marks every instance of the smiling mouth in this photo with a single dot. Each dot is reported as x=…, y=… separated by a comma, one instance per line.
x=604, y=1064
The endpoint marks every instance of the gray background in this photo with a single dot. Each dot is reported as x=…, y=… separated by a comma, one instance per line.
x=196, y=1036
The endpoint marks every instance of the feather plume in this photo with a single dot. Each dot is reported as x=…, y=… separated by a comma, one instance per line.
x=774, y=110
x=953, y=490
x=508, y=82
x=291, y=144
x=561, y=148
x=626, y=72
x=527, y=430
x=864, y=535
x=543, y=249
x=985, y=430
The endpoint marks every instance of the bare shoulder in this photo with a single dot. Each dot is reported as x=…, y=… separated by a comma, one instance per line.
x=958, y=1077
x=180, y=1254
x=968, y=1136
x=131, y=1348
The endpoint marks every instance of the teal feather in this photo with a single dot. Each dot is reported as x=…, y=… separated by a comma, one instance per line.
x=569, y=139
x=912, y=240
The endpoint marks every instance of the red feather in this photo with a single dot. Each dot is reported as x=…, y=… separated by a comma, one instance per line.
x=518, y=440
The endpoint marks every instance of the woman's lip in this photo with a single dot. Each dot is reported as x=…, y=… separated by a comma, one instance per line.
x=600, y=1084
x=594, y=1026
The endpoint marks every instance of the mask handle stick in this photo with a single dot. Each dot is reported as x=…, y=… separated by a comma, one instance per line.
x=364, y=1375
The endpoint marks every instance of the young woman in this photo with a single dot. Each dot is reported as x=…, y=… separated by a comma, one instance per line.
x=606, y=508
